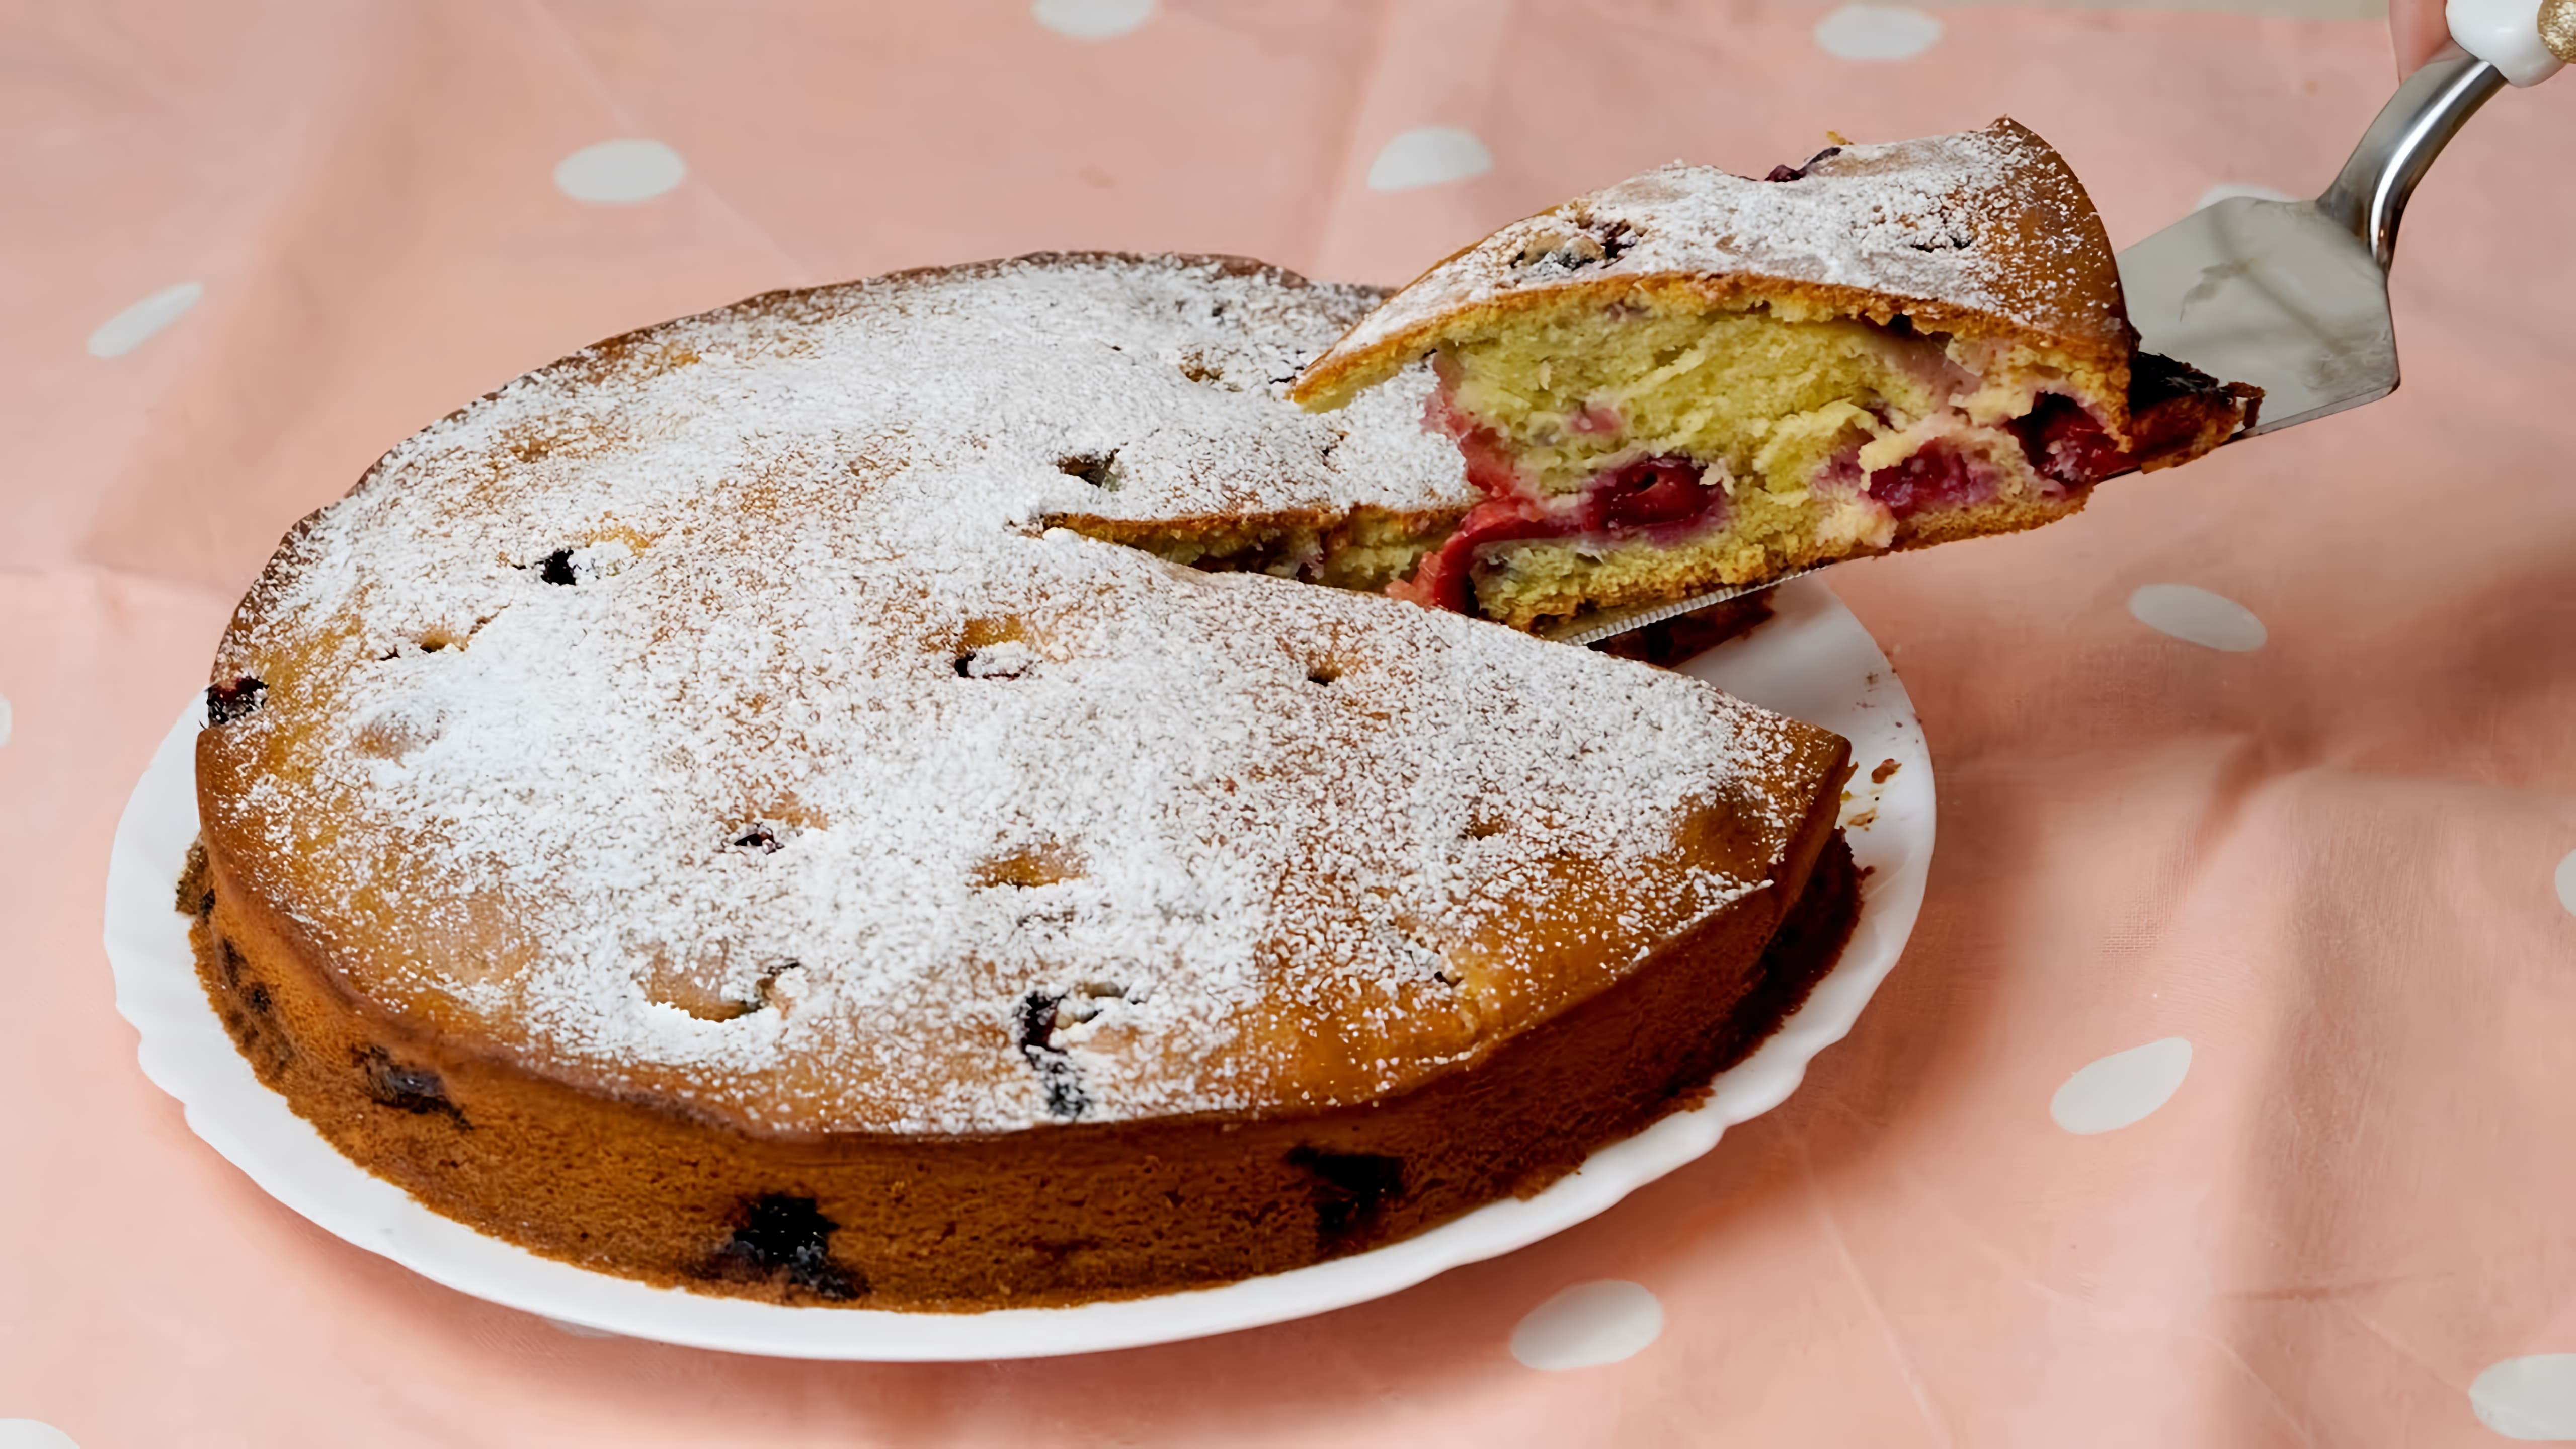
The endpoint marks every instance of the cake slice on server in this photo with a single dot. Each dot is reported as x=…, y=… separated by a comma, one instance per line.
x=1695, y=381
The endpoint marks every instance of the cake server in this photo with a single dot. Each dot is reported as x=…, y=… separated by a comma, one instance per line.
x=2292, y=296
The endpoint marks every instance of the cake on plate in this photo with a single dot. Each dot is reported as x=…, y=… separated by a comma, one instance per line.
x=1692, y=381
x=739, y=808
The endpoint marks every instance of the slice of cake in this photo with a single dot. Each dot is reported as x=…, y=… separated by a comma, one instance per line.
x=1694, y=380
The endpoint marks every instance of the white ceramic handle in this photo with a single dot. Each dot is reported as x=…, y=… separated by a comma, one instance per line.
x=2526, y=40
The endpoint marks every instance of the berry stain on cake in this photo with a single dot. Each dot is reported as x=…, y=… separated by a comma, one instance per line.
x=406, y=1087
x=786, y=1240
x=1352, y=1190
x=234, y=699
x=248, y=1010
x=1034, y=1032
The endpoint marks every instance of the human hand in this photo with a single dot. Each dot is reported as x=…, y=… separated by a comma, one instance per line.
x=2416, y=29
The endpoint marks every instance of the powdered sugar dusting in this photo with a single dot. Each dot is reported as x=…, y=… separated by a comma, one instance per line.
x=714, y=715
x=1987, y=222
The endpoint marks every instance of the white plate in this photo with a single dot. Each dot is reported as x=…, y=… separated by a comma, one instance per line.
x=1813, y=660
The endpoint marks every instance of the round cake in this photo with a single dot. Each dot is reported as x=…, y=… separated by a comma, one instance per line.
x=737, y=808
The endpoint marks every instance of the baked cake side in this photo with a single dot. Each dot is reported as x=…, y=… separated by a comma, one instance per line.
x=647, y=1189
x=1694, y=380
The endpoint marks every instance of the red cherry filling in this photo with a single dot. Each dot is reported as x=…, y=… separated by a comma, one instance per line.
x=1662, y=495
x=1669, y=496
x=2066, y=443
x=2061, y=439
x=1648, y=495
x=1444, y=581
x=1490, y=468
x=1935, y=477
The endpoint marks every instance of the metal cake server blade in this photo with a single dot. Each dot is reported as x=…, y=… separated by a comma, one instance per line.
x=1611, y=623
x=2274, y=293
x=2291, y=296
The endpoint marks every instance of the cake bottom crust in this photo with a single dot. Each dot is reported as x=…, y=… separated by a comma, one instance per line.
x=1057, y=1215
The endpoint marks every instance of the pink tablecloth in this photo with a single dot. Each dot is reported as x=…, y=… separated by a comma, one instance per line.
x=2337, y=865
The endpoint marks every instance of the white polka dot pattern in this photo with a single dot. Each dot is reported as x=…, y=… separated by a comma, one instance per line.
x=2197, y=616
x=2121, y=1089
x=1428, y=156
x=620, y=173
x=2230, y=190
x=136, y=325
x=1877, y=32
x=1589, y=1324
x=2532, y=1399
x=33, y=1434
x=2566, y=878
x=8, y=718
x=1092, y=19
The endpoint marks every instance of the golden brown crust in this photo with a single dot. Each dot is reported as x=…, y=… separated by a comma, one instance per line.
x=2178, y=413
x=2036, y=266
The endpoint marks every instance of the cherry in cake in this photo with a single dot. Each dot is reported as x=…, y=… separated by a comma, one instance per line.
x=1694, y=380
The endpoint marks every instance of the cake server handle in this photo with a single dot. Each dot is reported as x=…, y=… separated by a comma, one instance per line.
x=2526, y=40
x=2368, y=197
x=2495, y=43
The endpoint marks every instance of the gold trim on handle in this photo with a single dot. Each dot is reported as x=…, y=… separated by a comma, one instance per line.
x=2558, y=28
